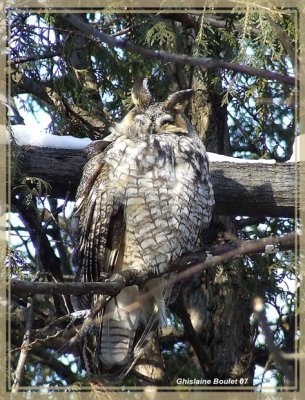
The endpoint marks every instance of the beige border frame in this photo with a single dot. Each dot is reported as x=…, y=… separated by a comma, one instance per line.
x=148, y=393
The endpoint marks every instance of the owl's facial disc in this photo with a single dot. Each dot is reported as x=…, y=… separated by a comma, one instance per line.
x=156, y=119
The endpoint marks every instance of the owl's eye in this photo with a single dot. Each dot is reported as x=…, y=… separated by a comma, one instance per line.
x=166, y=120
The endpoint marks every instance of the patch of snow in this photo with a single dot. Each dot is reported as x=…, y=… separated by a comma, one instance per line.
x=221, y=158
x=31, y=135
x=299, y=143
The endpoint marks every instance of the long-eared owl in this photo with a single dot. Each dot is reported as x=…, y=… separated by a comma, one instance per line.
x=141, y=203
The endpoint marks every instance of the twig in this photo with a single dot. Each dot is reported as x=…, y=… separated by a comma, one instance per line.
x=260, y=314
x=266, y=368
x=183, y=59
x=43, y=56
x=18, y=375
x=122, y=32
x=86, y=325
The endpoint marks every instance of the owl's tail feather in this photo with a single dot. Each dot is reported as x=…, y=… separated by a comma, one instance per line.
x=150, y=325
x=120, y=322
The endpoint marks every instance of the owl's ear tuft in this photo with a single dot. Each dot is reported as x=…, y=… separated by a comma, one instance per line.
x=140, y=93
x=178, y=100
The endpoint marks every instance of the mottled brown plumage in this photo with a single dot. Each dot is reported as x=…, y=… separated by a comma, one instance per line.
x=140, y=204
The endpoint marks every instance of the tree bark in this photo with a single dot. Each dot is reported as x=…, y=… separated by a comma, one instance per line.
x=241, y=188
x=215, y=298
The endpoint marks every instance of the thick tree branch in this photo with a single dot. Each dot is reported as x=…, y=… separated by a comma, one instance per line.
x=86, y=117
x=241, y=188
x=207, y=63
x=36, y=57
x=185, y=266
x=24, y=84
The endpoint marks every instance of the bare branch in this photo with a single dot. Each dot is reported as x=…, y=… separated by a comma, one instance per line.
x=36, y=57
x=43, y=56
x=85, y=116
x=25, y=346
x=260, y=314
x=207, y=63
x=86, y=325
x=68, y=288
x=122, y=31
x=185, y=266
x=24, y=84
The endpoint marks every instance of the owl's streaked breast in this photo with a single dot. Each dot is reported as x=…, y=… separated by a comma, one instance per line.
x=161, y=183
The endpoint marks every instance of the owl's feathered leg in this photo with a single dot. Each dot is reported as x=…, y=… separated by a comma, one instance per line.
x=120, y=322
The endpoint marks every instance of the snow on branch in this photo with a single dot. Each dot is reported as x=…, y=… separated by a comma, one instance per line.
x=242, y=187
x=32, y=135
x=208, y=63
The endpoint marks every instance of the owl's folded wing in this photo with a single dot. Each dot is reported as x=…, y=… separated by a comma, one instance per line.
x=98, y=221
